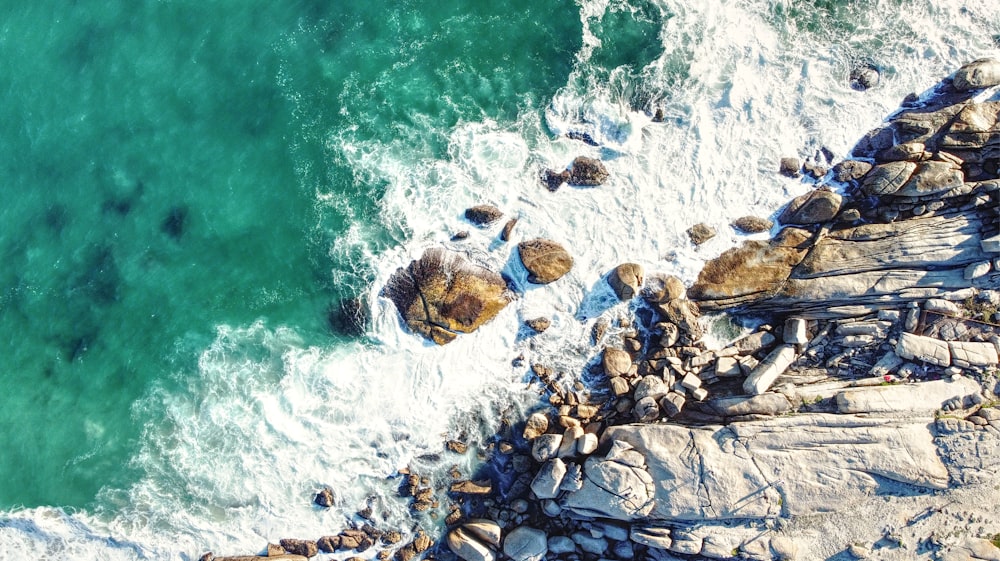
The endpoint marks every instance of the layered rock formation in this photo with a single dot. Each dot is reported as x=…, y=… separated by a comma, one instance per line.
x=920, y=210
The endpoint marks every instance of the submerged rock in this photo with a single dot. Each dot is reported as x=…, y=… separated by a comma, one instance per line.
x=443, y=294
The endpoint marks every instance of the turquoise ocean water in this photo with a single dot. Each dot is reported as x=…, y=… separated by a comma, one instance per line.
x=187, y=187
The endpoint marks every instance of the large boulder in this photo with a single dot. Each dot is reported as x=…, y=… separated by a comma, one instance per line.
x=545, y=260
x=443, y=294
x=587, y=172
x=483, y=215
x=625, y=280
x=982, y=73
x=526, y=544
x=814, y=207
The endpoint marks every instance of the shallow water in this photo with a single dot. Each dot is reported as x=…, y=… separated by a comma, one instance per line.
x=190, y=186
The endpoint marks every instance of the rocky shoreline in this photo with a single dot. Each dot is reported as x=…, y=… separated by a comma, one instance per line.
x=859, y=419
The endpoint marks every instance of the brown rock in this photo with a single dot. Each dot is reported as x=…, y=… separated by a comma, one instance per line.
x=405, y=553
x=789, y=167
x=442, y=294
x=752, y=224
x=535, y=426
x=886, y=179
x=274, y=550
x=662, y=288
x=616, y=362
x=753, y=271
x=850, y=170
x=324, y=498
x=507, y=229
x=483, y=215
x=700, y=233
x=457, y=446
x=392, y=537
x=625, y=280
x=982, y=73
x=814, y=207
x=305, y=548
x=328, y=544
x=539, y=324
x=545, y=260
x=422, y=542
x=587, y=172
x=553, y=180
x=483, y=487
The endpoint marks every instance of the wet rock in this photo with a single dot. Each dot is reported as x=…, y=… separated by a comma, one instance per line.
x=508, y=228
x=553, y=180
x=850, y=170
x=539, y=324
x=752, y=224
x=814, y=207
x=625, y=280
x=325, y=498
x=982, y=73
x=483, y=215
x=789, y=167
x=545, y=260
x=661, y=288
x=545, y=447
x=587, y=172
x=864, y=78
x=443, y=294
x=328, y=544
x=700, y=233
x=304, y=548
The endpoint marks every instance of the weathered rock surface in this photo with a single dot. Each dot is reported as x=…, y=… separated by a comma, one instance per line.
x=924, y=398
x=587, y=172
x=483, y=215
x=752, y=224
x=812, y=208
x=545, y=260
x=526, y=544
x=613, y=487
x=982, y=73
x=626, y=279
x=443, y=294
x=798, y=465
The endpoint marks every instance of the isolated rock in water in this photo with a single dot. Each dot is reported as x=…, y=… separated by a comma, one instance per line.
x=545, y=260
x=325, y=498
x=587, y=172
x=864, y=77
x=789, y=167
x=625, y=280
x=539, y=324
x=982, y=73
x=553, y=179
x=797, y=466
x=752, y=224
x=813, y=207
x=483, y=215
x=700, y=233
x=443, y=294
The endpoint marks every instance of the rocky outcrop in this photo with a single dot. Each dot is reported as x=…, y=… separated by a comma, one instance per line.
x=907, y=230
x=799, y=466
x=545, y=260
x=443, y=294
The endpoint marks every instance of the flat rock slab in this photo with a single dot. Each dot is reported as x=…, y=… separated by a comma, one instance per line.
x=926, y=349
x=925, y=397
x=798, y=465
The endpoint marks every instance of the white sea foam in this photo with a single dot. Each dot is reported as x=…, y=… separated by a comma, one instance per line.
x=266, y=421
